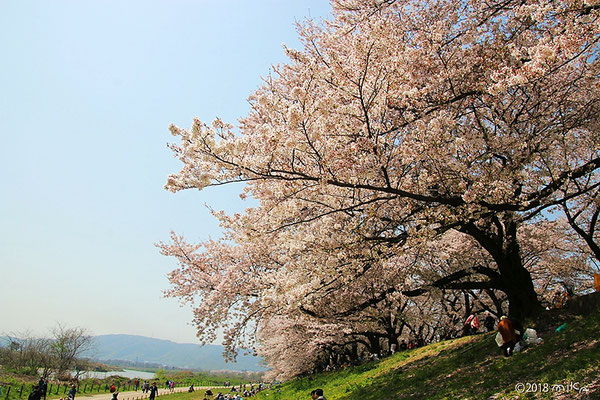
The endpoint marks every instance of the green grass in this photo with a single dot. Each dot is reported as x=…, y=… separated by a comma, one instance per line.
x=16, y=393
x=197, y=395
x=209, y=378
x=21, y=385
x=467, y=368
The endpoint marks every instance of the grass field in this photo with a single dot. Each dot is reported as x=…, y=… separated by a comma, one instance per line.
x=566, y=365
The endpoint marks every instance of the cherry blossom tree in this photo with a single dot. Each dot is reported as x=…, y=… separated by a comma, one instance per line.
x=301, y=325
x=398, y=126
x=411, y=118
x=582, y=214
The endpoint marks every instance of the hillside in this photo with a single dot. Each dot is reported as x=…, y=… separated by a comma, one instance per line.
x=472, y=368
x=184, y=355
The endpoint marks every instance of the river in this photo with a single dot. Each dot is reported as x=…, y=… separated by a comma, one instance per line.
x=127, y=373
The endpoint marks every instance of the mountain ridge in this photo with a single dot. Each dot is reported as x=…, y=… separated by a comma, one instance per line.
x=143, y=349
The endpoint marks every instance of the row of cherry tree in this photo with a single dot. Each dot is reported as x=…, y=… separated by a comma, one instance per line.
x=413, y=162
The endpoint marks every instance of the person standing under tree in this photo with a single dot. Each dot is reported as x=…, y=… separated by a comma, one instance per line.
x=471, y=325
x=506, y=329
x=489, y=322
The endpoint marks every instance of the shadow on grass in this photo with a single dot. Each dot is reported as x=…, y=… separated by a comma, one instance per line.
x=477, y=369
x=465, y=368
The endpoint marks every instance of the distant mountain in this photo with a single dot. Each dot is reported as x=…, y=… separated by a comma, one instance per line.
x=141, y=349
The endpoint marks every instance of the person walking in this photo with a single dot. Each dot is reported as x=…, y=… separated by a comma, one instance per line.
x=72, y=392
x=153, y=391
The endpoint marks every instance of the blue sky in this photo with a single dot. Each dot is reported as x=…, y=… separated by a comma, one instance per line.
x=87, y=91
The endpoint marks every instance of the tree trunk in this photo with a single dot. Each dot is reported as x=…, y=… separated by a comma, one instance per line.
x=499, y=237
x=374, y=344
x=466, y=327
x=522, y=298
x=392, y=338
x=496, y=301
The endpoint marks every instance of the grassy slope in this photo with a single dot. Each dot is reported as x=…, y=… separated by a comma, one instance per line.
x=468, y=368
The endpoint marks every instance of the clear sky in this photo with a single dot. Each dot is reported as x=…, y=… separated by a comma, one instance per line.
x=87, y=91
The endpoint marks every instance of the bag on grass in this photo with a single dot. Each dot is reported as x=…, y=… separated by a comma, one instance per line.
x=499, y=340
x=518, y=348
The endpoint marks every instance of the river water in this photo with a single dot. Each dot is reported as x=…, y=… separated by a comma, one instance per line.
x=127, y=373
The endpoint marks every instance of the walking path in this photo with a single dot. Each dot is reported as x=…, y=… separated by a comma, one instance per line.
x=132, y=395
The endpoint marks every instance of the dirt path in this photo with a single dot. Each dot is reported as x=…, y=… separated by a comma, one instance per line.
x=132, y=395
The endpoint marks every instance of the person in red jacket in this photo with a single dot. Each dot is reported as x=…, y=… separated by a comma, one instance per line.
x=472, y=324
x=506, y=329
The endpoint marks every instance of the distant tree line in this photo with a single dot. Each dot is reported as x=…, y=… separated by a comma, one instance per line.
x=136, y=364
x=58, y=355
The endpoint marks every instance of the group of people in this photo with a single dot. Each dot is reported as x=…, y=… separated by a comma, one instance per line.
x=511, y=331
x=237, y=393
x=229, y=396
x=39, y=391
x=411, y=344
x=472, y=324
x=146, y=387
x=170, y=385
x=152, y=389
x=36, y=392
